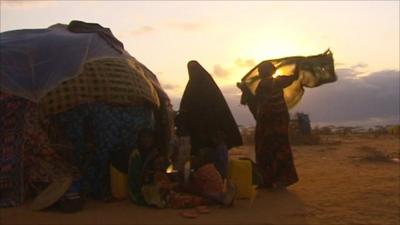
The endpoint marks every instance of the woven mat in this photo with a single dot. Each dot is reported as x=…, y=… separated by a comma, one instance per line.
x=112, y=80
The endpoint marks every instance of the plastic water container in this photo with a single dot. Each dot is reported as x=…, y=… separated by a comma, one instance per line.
x=240, y=173
x=119, y=183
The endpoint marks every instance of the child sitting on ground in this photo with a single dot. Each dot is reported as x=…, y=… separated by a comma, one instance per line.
x=141, y=165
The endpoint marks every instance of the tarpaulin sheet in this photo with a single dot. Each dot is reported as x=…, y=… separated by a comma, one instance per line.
x=33, y=61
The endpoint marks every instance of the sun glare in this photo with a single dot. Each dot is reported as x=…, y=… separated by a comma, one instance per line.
x=277, y=73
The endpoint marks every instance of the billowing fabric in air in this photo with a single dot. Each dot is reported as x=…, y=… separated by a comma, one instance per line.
x=313, y=72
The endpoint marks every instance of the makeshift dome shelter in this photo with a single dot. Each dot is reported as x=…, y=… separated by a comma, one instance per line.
x=92, y=95
x=313, y=70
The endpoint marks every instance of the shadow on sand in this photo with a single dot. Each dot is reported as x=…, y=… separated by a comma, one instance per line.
x=268, y=207
x=278, y=207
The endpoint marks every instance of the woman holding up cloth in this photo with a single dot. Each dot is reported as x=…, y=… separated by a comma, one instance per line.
x=273, y=152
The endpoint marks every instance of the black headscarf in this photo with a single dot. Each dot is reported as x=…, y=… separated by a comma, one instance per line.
x=204, y=112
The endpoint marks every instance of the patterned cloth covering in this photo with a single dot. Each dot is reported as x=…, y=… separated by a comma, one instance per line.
x=206, y=187
x=11, y=175
x=274, y=155
x=97, y=131
x=208, y=180
x=27, y=161
x=111, y=80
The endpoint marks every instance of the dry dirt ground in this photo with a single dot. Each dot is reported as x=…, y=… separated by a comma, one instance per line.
x=344, y=180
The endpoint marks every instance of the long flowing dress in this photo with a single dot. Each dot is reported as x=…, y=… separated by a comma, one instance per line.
x=273, y=152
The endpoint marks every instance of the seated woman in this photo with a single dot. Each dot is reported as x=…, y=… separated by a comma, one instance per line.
x=206, y=181
x=149, y=184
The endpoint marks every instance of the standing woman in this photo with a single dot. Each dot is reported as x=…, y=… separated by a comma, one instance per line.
x=273, y=152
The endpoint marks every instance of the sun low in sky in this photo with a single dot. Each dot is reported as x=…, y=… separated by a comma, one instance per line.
x=229, y=38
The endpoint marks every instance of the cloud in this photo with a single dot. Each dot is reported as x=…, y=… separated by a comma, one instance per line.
x=186, y=26
x=347, y=73
x=240, y=112
x=352, y=100
x=339, y=64
x=223, y=72
x=28, y=4
x=366, y=101
x=359, y=66
x=170, y=86
x=143, y=30
x=245, y=62
x=220, y=72
x=357, y=99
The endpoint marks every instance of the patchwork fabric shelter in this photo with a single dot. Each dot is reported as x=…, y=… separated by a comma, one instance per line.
x=92, y=95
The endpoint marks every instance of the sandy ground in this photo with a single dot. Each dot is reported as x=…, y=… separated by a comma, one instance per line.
x=344, y=180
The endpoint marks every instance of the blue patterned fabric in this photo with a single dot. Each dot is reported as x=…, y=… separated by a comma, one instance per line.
x=97, y=131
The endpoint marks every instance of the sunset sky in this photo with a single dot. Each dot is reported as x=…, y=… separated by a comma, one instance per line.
x=229, y=38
